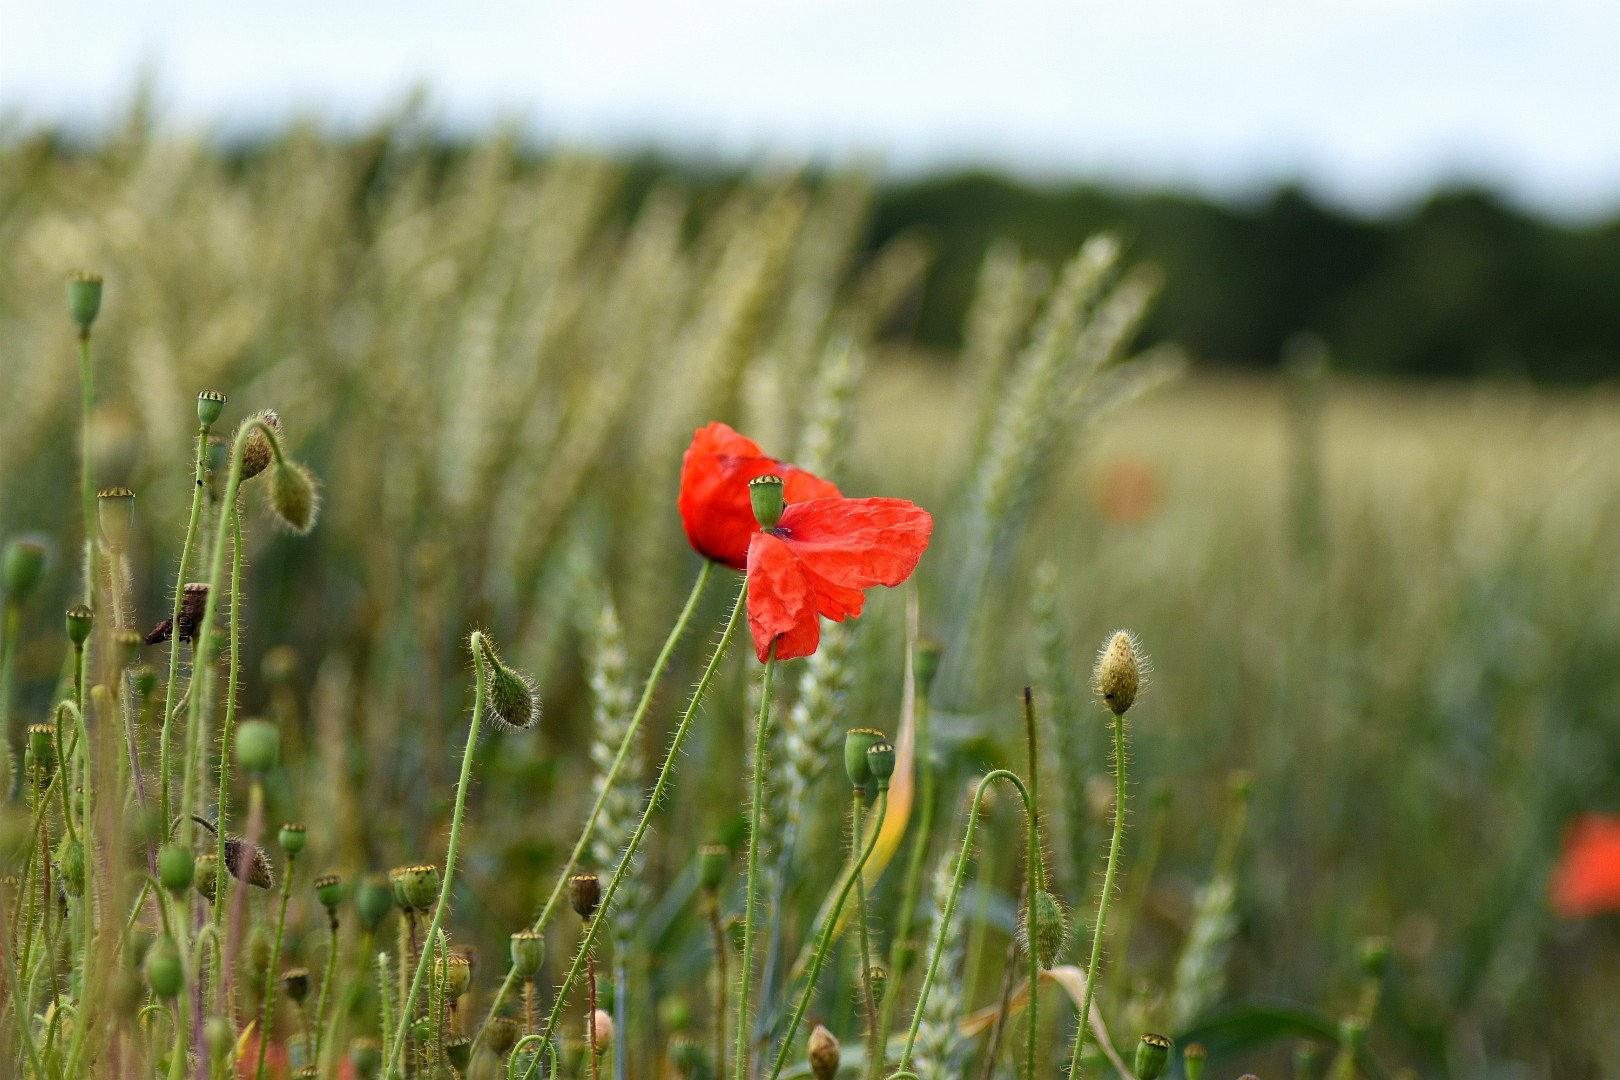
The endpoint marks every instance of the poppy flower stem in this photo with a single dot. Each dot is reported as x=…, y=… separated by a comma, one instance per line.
x=756, y=801
x=660, y=785
x=271, y=966
x=229, y=725
x=1075, y=1069
x=609, y=780
x=856, y=809
x=164, y=807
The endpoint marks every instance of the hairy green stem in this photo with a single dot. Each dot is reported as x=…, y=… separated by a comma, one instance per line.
x=756, y=805
x=326, y=988
x=867, y=995
x=165, y=804
x=270, y=968
x=87, y=468
x=220, y=875
x=1075, y=1067
x=8, y=667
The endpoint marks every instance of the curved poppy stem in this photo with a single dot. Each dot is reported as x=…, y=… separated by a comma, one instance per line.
x=756, y=802
x=609, y=784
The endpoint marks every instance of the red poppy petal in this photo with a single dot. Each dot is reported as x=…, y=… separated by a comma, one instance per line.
x=1587, y=881
x=781, y=600
x=834, y=601
x=714, y=504
x=858, y=543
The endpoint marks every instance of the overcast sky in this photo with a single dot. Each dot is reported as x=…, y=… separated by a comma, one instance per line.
x=1370, y=102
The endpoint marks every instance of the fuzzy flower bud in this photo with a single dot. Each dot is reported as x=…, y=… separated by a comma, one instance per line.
x=823, y=1051
x=767, y=493
x=528, y=954
x=1051, y=929
x=70, y=865
x=257, y=449
x=164, y=970
x=115, y=513
x=293, y=496
x=84, y=299
x=1151, y=1054
x=601, y=1033
x=24, y=566
x=219, y=1034
x=585, y=895
x=206, y=875
x=857, y=741
x=210, y=403
x=513, y=698
x=1120, y=672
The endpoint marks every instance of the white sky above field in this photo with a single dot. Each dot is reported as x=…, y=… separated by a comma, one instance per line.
x=1370, y=102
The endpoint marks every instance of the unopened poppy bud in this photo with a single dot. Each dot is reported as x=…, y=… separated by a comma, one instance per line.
x=144, y=678
x=373, y=900
x=206, y=876
x=220, y=1036
x=247, y=862
x=294, y=498
x=879, y=978
x=365, y=1054
x=1151, y=1054
x=115, y=513
x=292, y=836
x=84, y=299
x=1374, y=956
x=257, y=449
x=459, y=1051
x=1119, y=671
x=585, y=894
x=455, y=974
x=79, y=621
x=528, y=954
x=295, y=984
x=24, y=568
x=177, y=868
x=42, y=747
x=601, y=1033
x=1193, y=1057
x=880, y=762
x=329, y=891
x=210, y=403
x=416, y=887
x=258, y=744
x=513, y=698
x=823, y=1051
x=501, y=1034
x=768, y=494
x=164, y=971
x=70, y=865
x=1051, y=929
x=713, y=862
x=857, y=741
x=127, y=644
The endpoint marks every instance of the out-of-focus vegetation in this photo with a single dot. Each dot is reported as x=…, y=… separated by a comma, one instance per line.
x=1393, y=610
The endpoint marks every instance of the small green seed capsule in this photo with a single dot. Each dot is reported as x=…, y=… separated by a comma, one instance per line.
x=459, y=1051
x=687, y=1055
x=219, y=1034
x=70, y=865
x=880, y=762
x=373, y=900
x=366, y=1056
x=42, y=747
x=24, y=567
x=144, y=678
x=127, y=647
x=422, y=1030
x=857, y=741
x=292, y=837
x=258, y=744
x=713, y=862
x=295, y=984
x=177, y=868
x=84, y=299
x=455, y=973
x=585, y=894
x=210, y=403
x=115, y=513
x=925, y=663
x=528, y=954
x=767, y=495
x=329, y=891
x=1151, y=1054
x=879, y=977
x=79, y=621
x=1374, y=956
x=1192, y=1060
x=417, y=887
x=164, y=970
x=206, y=876
x=501, y=1034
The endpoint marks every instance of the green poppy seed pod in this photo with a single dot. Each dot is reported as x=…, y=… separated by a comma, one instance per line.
x=293, y=837
x=1119, y=671
x=455, y=973
x=925, y=662
x=528, y=954
x=365, y=1054
x=70, y=865
x=1374, y=956
x=24, y=566
x=210, y=403
x=879, y=978
x=585, y=895
x=144, y=678
x=205, y=875
x=127, y=646
x=115, y=514
x=295, y=984
x=713, y=862
x=84, y=299
x=459, y=1051
x=501, y=1034
x=823, y=1051
x=257, y=449
x=686, y=1054
x=767, y=493
x=572, y=1053
x=880, y=762
x=79, y=621
x=373, y=900
x=293, y=496
x=675, y=1013
x=857, y=741
x=177, y=868
x=219, y=1034
x=1352, y=1033
x=329, y=891
x=513, y=698
x=42, y=747
x=1151, y=1054
x=418, y=887
x=1193, y=1057
x=1051, y=929
x=258, y=744
x=164, y=970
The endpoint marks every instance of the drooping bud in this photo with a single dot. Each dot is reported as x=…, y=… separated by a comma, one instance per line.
x=293, y=496
x=601, y=1031
x=25, y=563
x=293, y=837
x=164, y=970
x=713, y=862
x=767, y=493
x=1119, y=673
x=84, y=299
x=295, y=984
x=823, y=1051
x=206, y=875
x=585, y=895
x=416, y=887
x=177, y=868
x=258, y=745
x=1193, y=1056
x=70, y=865
x=210, y=403
x=329, y=891
x=115, y=513
x=880, y=762
x=455, y=973
x=257, y=450
x=373, y=900
x=1051, y=929
x=1151, y=1054
x=857, y=741
x=528, y=954
x=514, y=700
x=79, y=621
x=248, y=862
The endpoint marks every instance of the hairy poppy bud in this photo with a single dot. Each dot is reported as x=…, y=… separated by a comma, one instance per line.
x=365, y=1054
x=767, y=493
x=416, y=887
x=880, y=762
x=258, y=744
x=257, y=449
x=528, y=953
x=857, y=741
x=70, y=865
x=1151, y=1054
x=79, y=621
x=220, y=1036
x=1051, y=929
x=115, y=513
x=824, y=1054
x=127, y=646
x=1119, y=672
x=329, y=891
x=143, y=677
x=177, y=868
x=459, y=1051
x=84, y=299
x=513, y=699
x=205, y=875
x=713, y=862
x=295, y=984
x=293, y=496
x=455, y=973
x=164, y=971
x=247, y=862
x=879, y=978
x=42, y=747
x=1193, y=1057
x=585, y=894
x=501, y=1034
x=292, y=836
x=210, y=403
x=373, y=900
x=24, y=568
x=601, y=1031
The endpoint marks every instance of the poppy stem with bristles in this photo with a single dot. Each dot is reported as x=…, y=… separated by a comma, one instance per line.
x=756, y=801
x=1075, y=1066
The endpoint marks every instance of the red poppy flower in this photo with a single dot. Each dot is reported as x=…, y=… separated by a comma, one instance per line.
x=1587, y=881
x=714, y=502
x=819, y=557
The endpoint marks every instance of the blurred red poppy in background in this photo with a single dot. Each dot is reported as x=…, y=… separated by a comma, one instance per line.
x=714, y=502
x=1127, y=490
x=1587, y=881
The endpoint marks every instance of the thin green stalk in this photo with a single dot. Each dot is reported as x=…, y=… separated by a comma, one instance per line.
x=87, y=471
x=409, y=1007
x=270, y=968
x=326, y=987
x=385, y=1004
x=8, y=667
x=1037, y=876
x=665, y=771
x=220, y=875
x=165, y=804
x=1075, y=1067
x=756, y=804
x=827, y=928
x=608, y=780
x=858, y=804
x=720, y=987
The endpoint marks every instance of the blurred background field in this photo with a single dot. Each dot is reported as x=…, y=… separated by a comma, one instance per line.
x=1390, y=604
